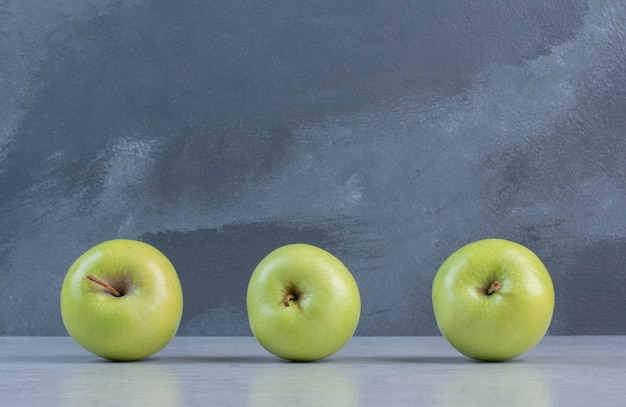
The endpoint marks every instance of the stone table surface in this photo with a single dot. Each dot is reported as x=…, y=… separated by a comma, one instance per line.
x=368, y=371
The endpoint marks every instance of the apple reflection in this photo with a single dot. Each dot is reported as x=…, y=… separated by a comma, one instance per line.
x=117, y=383
x=303, y=384
x=493, y=384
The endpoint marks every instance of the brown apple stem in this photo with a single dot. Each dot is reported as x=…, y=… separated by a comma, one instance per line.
x=288, y=298
x=495, y=286
x=106, y=286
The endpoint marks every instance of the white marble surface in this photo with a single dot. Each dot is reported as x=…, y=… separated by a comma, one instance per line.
x=369, y=371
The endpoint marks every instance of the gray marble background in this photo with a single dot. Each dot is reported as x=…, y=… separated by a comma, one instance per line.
x=388, y=132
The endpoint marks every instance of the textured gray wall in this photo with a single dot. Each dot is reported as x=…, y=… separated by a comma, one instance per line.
x=388, y=132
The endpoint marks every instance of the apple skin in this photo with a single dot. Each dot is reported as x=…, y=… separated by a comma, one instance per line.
x=130, y=327
x=505, y=324
x=322, y=316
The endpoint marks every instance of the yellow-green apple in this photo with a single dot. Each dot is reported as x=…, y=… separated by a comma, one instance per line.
x=493, y=299
x=122, y=300
x=303, y=304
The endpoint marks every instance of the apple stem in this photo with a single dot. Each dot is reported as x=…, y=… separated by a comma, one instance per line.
x=288, y=297
x=106, y=286
x=495, y=286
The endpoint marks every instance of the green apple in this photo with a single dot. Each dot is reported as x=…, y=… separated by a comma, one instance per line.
x=303, y=303
x=122, y=300
x=493, y=299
